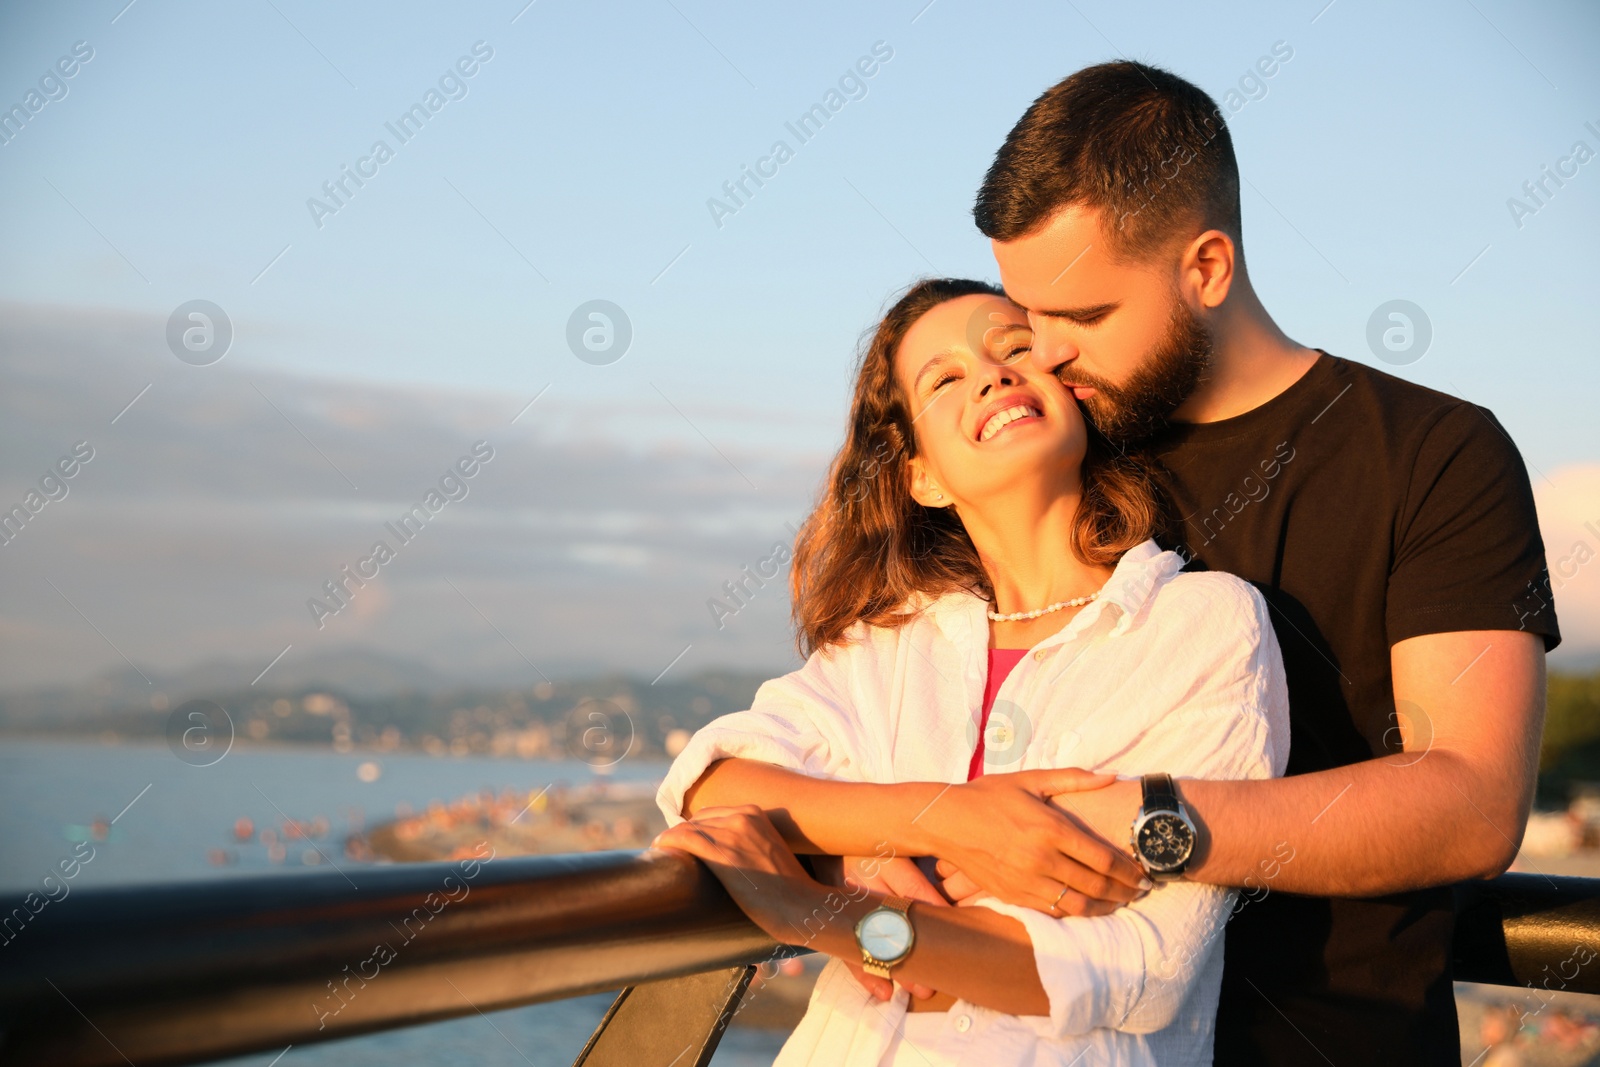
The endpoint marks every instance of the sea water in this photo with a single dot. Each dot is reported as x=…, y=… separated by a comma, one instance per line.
x=151, y=817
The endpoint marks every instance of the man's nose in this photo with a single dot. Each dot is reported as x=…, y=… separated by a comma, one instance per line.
x=1052, y=348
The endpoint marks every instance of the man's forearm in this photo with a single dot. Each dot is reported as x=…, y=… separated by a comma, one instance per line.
x=1469, y=708
x=1452, y=806
x=1381, y=826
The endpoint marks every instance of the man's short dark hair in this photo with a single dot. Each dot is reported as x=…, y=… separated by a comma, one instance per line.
x=1147, y=148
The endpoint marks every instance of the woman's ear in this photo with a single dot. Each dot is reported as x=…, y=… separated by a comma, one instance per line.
x=923, y=489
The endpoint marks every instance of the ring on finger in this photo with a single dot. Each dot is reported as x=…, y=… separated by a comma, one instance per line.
x=1054, y=904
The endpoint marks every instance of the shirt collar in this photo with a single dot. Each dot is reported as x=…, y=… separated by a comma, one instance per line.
x=1143, y=569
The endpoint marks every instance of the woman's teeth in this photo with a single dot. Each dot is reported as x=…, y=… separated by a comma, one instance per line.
x=1001, y=420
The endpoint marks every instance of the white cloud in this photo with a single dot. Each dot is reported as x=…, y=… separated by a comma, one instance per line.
x=219, y=504
x=207, y=519
x=1569, y=518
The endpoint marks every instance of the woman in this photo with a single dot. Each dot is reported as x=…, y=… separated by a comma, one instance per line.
x=978, y=592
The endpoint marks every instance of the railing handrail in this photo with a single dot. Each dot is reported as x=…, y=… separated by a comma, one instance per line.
x=183, y=973
x=1529, y=930
x=188, y=972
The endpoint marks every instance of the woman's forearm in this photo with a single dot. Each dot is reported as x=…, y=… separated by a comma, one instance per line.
x=819, y=815
x=1026, y=851
x=974, y=954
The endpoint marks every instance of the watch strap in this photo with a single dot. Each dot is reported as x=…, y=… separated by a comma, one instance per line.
x=1160, y=794
x=874, y=966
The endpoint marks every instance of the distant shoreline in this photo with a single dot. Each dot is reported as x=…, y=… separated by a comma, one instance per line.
x=307, y=748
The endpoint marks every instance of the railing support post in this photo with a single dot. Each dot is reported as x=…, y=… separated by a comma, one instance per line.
x=679, y=1021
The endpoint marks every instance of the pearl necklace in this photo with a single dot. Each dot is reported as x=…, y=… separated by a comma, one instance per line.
x=1020, y=616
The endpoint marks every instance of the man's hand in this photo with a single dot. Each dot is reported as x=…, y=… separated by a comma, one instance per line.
x=1004, y=835
x=892, y=875
x=1107, y=813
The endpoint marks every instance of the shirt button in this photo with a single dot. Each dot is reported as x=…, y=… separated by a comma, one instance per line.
x=963, y=1023
x=1043, y=654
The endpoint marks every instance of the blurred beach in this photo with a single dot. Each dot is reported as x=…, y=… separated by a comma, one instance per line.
x=145, y=816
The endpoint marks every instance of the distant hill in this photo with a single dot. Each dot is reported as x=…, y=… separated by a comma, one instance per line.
x=360, y=672
x=366, y=700
x=1571, y=661
x=1570, y=754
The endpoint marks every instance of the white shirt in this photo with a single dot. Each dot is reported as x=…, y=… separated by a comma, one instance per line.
x=1164, y=672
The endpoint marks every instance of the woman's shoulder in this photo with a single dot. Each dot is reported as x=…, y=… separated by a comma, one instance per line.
x=863, y=640
x=921, y=625
x=863, y=660
x=1211, y=600
x=919, y=618
x=1221, y=584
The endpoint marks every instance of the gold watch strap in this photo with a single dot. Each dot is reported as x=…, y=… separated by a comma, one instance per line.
x=871, y=964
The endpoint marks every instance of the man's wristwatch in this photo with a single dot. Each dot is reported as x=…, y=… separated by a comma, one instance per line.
x=885, y=936
x=1163, y=834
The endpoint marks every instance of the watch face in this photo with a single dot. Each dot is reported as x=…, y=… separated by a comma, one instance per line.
x=885, y=934
x=1164, y=840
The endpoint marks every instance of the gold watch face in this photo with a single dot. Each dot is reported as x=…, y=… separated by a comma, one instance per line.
x=884, y=934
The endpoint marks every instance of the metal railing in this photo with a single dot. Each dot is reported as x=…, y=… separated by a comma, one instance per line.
x=185, y=973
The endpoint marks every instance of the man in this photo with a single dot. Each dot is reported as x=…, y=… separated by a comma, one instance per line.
x=1391, y=529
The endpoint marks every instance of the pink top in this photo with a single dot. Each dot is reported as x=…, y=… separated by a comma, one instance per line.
x=1001, y=660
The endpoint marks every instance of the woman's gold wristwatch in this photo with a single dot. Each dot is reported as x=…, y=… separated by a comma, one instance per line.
x=885, y=936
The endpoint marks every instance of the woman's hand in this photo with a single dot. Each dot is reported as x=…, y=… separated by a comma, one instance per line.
x=753, y=863
x=1003, y=834
x=757, y=869
x=974, y=953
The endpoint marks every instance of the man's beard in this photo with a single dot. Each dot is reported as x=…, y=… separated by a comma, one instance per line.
x=1140, y=407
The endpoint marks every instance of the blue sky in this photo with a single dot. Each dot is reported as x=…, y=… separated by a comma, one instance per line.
x=1379, y=162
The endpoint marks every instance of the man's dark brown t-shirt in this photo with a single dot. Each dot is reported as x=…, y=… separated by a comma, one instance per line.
x=1367, y=510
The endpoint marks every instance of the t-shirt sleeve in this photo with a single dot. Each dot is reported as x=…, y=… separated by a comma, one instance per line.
x=1467, y=549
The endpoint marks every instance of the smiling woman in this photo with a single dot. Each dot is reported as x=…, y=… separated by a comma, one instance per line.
x=870, y=543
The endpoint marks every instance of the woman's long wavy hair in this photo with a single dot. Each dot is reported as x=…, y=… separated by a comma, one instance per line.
x=867, y=546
